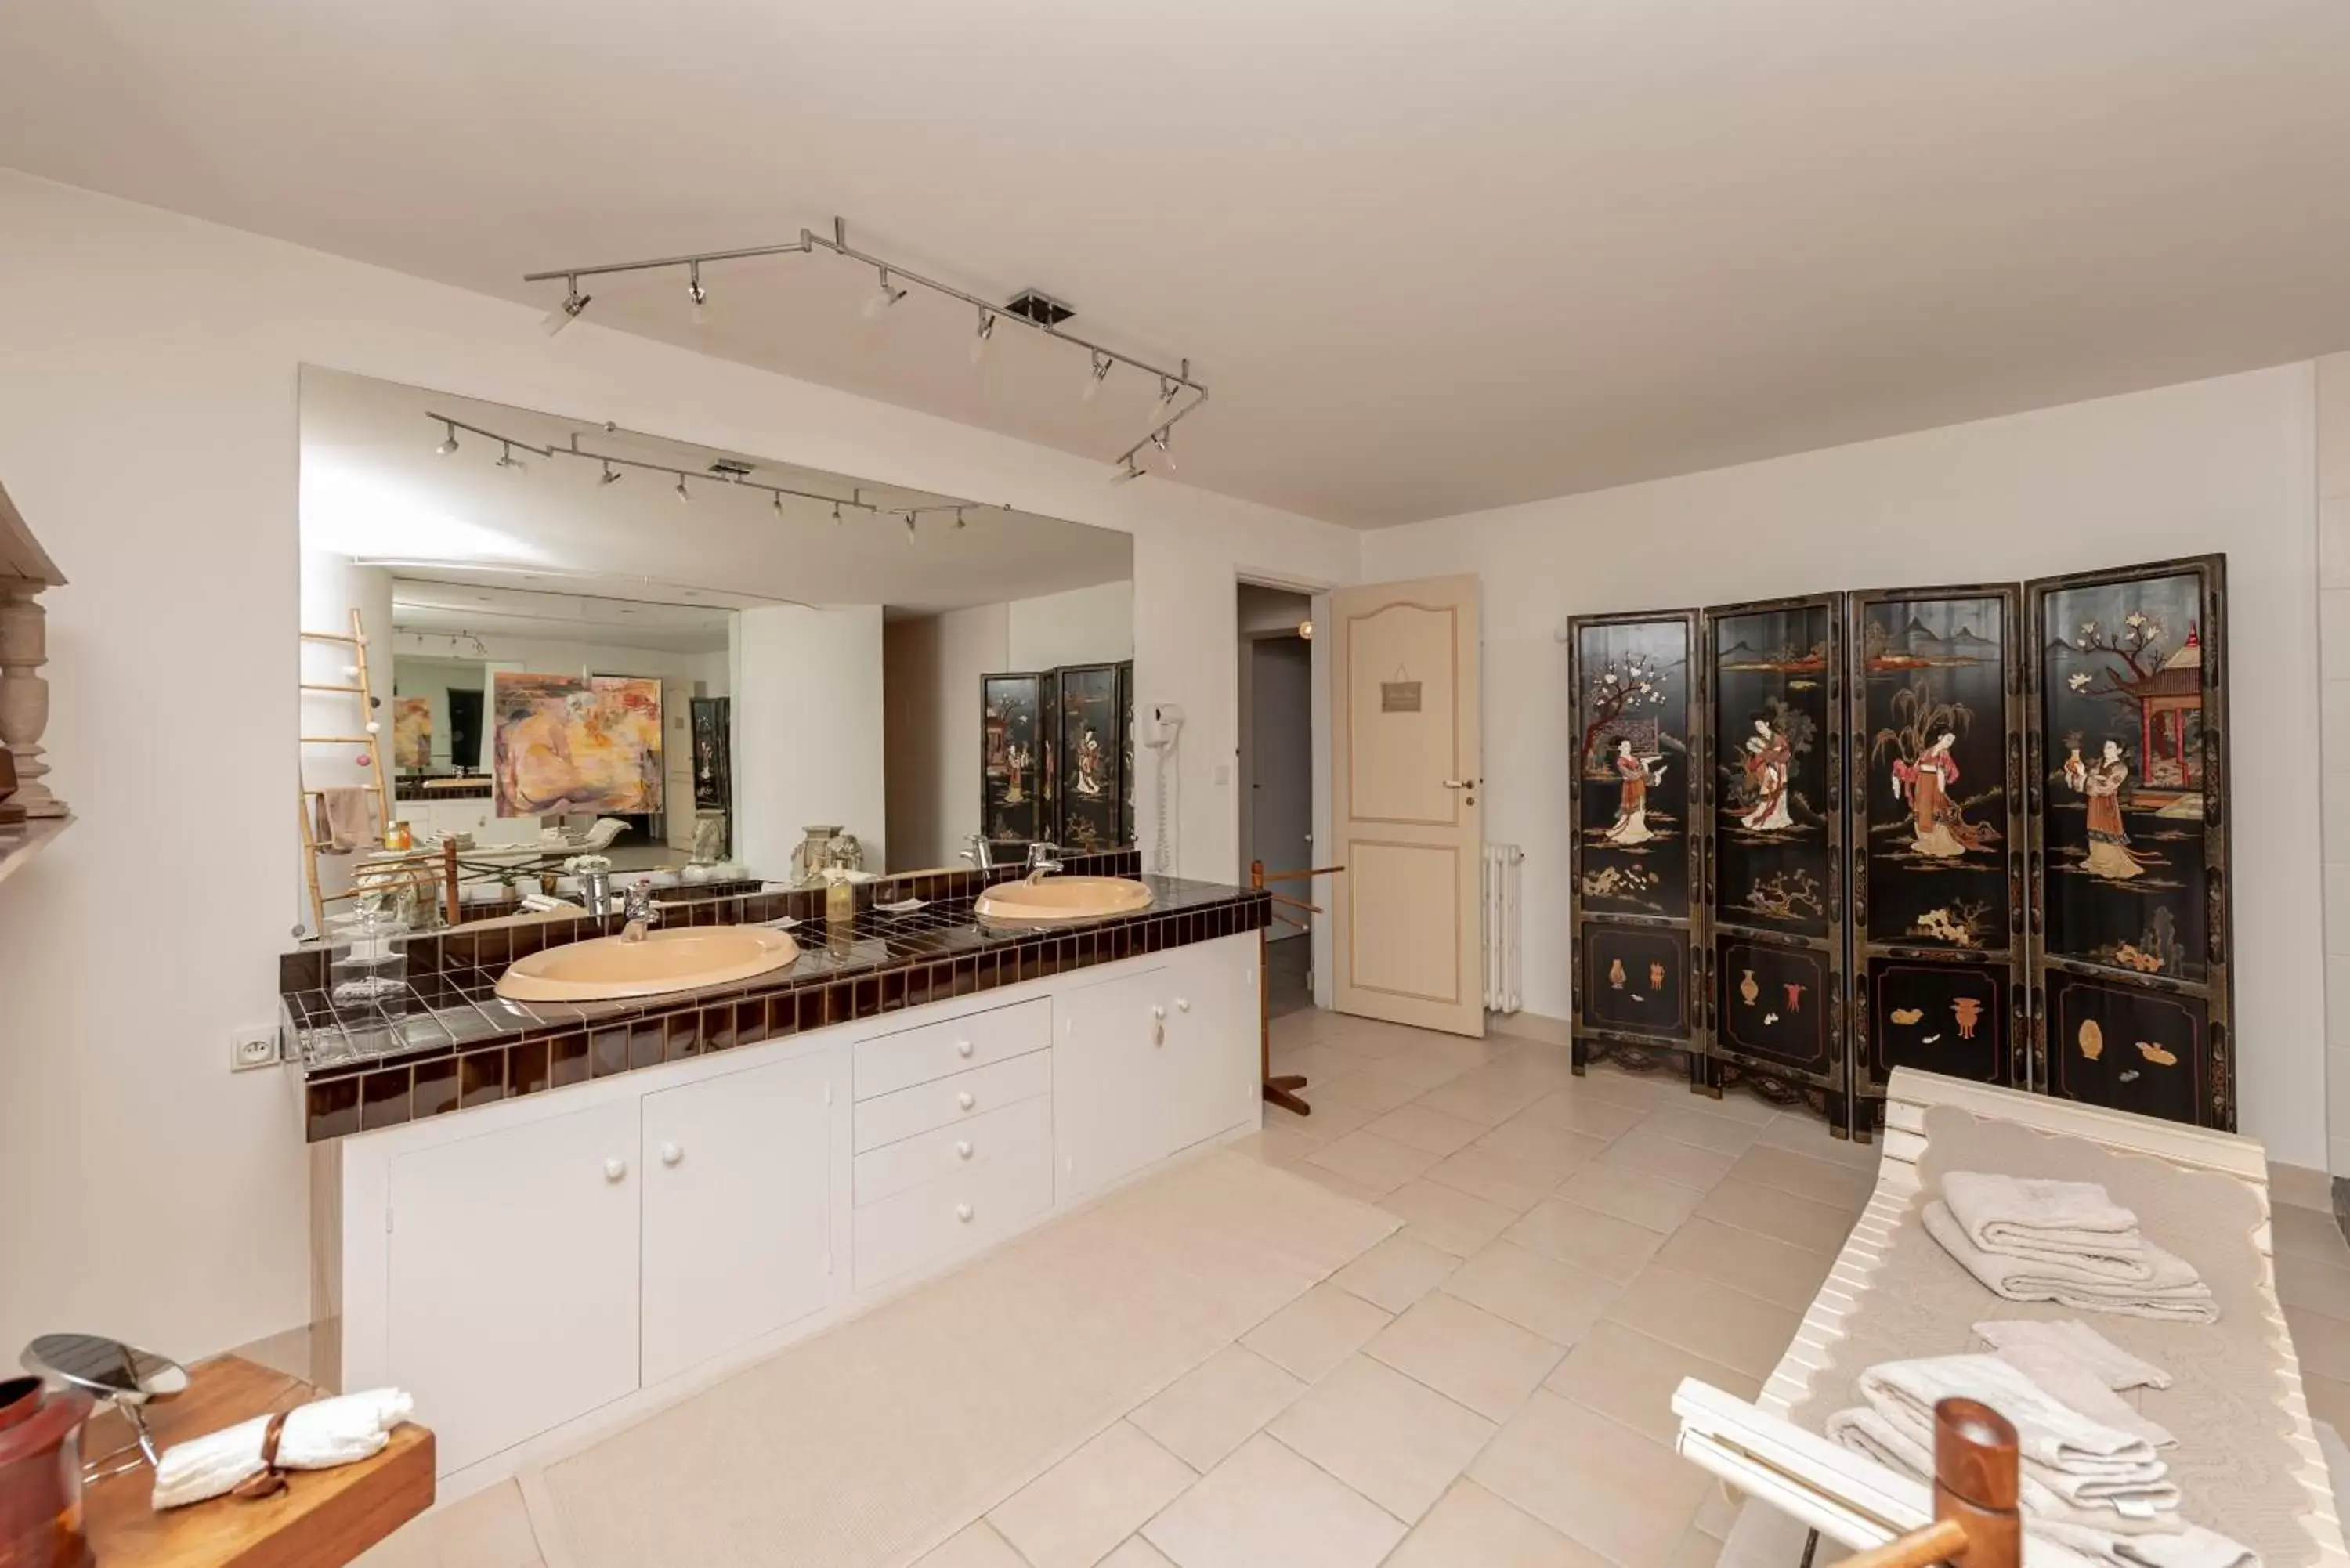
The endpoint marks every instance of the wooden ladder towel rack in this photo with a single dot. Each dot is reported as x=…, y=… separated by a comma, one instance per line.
x=1281, y=1091
x=1976, y=1520
x=420, y=871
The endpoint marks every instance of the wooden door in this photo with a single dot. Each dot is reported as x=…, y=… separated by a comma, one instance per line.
x=2125, y=779
x=1110, y=1117
x=737, y=1210
x=1405, y=746
x=512, y=1285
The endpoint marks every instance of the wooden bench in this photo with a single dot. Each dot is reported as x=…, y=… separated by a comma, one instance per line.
x=1813, y=1484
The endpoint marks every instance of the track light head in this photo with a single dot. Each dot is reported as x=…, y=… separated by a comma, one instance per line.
x=1168, y=388
x=1127, y=472
x=779, y=502
x=1100, y=373
x=884, y=298
x=696, y=293
x=612, y=476
x=836, y=512
x=450, y=445
x=564, y=314
x=1159, y=439
x=986, y=331
x=506, y=459
x=683, y=494
x=912, y=537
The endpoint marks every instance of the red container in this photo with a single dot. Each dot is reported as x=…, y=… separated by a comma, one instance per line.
x=40, y=1476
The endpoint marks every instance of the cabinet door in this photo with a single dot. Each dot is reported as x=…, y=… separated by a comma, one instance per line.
x=738, y=1202
x=1210, y=1067
x=512, y=1290
x=1107, y=1080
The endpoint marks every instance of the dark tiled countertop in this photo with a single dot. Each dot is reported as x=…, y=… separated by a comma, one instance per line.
x=450, y=1043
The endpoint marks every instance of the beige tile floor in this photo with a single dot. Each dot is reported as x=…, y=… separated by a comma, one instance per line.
x=1489, y=1386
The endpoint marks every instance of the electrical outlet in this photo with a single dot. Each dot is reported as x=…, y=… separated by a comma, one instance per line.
x=253, y=1048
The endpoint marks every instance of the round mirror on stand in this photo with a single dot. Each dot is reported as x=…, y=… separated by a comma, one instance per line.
x=111, y=1371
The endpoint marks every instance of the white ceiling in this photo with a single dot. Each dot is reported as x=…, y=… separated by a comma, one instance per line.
x=1430, y=255
x=458, y=611
x=374, y=486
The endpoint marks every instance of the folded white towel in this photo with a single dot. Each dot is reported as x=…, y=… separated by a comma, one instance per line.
x=2077, y=1341
x=2070, y=1383
x=1896, y=1445
x=2175, y=1294
x=2191, y=1546
x=2069, y=1223
x=317, y=1437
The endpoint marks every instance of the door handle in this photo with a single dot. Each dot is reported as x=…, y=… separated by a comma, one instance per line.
x=1459, y=784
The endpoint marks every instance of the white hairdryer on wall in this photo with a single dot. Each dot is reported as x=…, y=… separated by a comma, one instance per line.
x=1163, y=735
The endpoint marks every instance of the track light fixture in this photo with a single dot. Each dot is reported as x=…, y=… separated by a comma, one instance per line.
x=912, y=537
x=779, y=503
x=1159, y=439
x=696, y=293
x=683, y=494
x=564, y=314
x=449, y=444
x=610, y=476
x=959, y=521
x=506, y=459
x=836, y=512
x=1129, y=471
x=883, y=297
x=1033, y=311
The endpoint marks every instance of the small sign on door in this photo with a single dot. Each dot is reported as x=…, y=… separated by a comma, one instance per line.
x=1398, y=696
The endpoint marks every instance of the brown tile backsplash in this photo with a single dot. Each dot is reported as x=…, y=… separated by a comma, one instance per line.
x=451, y=1044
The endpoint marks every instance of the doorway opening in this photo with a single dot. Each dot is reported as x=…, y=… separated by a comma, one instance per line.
x=1278, y=701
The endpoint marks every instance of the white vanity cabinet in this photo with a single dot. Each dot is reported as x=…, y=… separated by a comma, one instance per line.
x=510, y=1277
x=532, y=1268
x=737, y=1209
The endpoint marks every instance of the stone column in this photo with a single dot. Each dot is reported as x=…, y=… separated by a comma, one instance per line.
x=23, y=695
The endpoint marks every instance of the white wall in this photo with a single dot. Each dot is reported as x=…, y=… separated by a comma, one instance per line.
x=807, y=734
x=2222, y=465
x=2334, y=621
x=1083, y=626
x=127, y=323
x=932, y=667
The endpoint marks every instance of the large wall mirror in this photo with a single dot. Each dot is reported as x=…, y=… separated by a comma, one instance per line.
x=699, y=668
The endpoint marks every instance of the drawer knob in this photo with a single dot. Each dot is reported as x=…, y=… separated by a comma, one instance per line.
x=962, y=1150
x=1182, y=1005
x=962, y=1047
x=671, y=1153
x=615, y=1168
x=963, y=1212
x=966, y=1100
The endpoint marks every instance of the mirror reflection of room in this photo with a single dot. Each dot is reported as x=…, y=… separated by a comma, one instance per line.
x=547, y=662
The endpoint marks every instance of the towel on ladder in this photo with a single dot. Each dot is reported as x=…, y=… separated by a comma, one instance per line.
x=2069, y=1224
x=2175, y=1292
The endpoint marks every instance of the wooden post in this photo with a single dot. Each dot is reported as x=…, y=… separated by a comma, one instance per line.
x=1977, y=1523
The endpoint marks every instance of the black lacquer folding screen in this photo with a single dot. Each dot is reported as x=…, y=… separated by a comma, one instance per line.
x=1056, y=752
x=1979, y=830
x=1633, y=853
x=1018, y=727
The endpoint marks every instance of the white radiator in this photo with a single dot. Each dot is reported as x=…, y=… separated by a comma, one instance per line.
x=1505, y=947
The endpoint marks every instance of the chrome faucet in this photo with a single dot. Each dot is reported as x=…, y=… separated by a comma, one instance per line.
x=981, y=854
x=1044, y=860
x=638, y=907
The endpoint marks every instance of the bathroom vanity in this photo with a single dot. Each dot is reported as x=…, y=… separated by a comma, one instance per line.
x=568, y=1226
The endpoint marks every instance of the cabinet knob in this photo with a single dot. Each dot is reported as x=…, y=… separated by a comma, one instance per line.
x=962, y=1047
x=1182, y=1005
x=615, y=1168
x=966, y=1100
x=962, y=1150
x=963, y=1212
x=671, y=1154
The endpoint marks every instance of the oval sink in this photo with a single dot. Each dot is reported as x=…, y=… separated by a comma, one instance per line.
x=682, y=960
x=1061, y=900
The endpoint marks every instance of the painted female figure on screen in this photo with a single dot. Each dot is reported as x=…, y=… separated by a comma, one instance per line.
x=1634, y=777
x=1936, y=827
x=1089, y=760
x=1766, y=762
x=2102, y=781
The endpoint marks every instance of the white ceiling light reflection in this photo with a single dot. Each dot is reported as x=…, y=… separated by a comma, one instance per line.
x=359, y=514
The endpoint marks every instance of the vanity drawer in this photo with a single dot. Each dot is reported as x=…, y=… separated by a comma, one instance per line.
x=978, y=1204
x=900, y=1061
x=893, y=1169
x=886, y=1119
